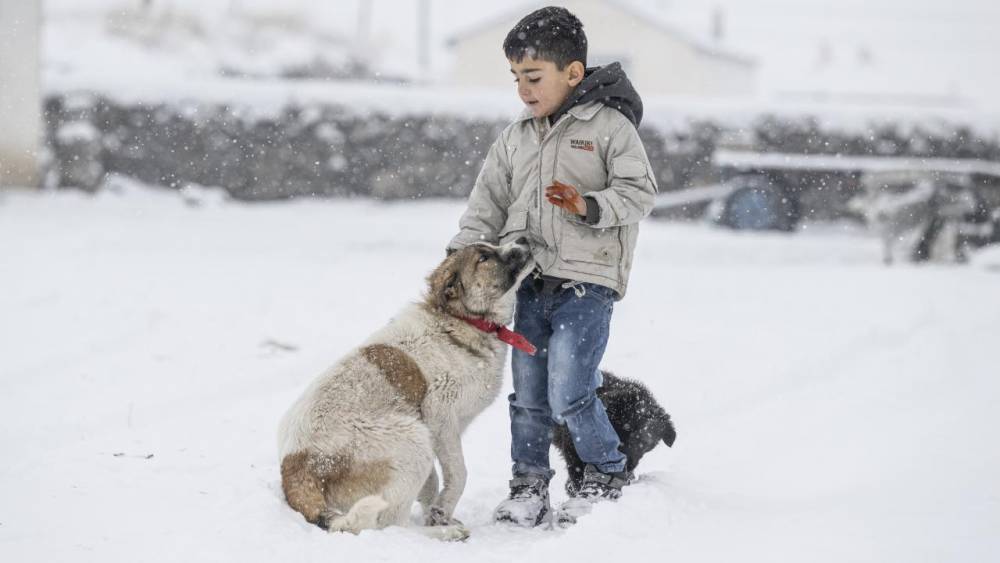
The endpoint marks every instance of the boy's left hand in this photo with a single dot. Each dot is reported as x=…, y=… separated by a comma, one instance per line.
x=565, y=196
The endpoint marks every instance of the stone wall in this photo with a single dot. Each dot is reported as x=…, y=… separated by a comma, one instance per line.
x=328, y=151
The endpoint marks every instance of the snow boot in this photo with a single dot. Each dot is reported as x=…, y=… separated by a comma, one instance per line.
x=528, y=501
x=596, y=487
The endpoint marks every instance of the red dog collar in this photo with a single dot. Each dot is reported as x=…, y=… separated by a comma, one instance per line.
x=515, y=339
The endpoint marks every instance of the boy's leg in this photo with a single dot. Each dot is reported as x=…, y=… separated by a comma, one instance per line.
x=530, y=416
x=527, y=504
x=579, y=336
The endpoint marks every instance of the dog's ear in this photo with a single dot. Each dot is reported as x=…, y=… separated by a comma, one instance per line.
x=669, y=434
x=444, y=283
x=446, y=288
x=450, y=289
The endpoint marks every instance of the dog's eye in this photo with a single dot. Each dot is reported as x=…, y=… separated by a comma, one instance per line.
x=483, y=257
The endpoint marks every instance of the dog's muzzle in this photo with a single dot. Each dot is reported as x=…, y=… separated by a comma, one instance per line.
x=516, y=254
x=516, y=257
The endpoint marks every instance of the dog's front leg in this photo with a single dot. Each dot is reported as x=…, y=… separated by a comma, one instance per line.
x=448, y=448
x=429, y=492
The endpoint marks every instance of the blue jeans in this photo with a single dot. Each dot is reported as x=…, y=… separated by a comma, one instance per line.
x=558, y=385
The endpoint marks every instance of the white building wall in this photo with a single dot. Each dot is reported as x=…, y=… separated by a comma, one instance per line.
x=20, y=92
x=479, y=61
x=728, y=78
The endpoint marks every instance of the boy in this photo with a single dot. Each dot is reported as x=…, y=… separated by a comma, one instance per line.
x=575, y=144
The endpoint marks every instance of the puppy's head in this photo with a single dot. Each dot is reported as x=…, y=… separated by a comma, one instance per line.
x=646, y=437
x=478, y=281
x=639, y=419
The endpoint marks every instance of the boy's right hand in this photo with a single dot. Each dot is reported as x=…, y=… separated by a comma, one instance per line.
x=567, y=197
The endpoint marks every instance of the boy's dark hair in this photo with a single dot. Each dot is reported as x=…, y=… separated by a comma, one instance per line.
x=552, y=34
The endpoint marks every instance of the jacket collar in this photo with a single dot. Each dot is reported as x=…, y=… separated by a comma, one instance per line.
x=585, y=111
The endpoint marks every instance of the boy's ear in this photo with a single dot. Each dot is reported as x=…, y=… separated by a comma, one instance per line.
x=576, y=72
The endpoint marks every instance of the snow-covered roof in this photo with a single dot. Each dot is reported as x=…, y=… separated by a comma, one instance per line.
x=652, y=19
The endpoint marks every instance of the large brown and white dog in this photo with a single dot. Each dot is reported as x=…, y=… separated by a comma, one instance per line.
x=358, y=448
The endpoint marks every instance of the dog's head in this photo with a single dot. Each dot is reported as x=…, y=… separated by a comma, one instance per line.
x=646, y=437
x=478, y=281
x=639, y=419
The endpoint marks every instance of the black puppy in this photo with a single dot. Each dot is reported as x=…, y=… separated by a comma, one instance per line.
x=635, y=415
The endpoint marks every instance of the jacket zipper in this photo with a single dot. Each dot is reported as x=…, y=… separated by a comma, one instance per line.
x=538, y=192
x=555, y=164
x=621, y=254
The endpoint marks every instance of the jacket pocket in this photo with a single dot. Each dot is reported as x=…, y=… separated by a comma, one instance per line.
x=601, y=293
x=517, y=222
x=630, y=168
x=582, y=243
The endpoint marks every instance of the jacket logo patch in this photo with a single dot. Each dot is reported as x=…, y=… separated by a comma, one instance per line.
x=581, y=144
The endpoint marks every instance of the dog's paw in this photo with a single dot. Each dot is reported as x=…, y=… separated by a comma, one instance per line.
x=437, y=517
x=455, y=532
x=342, y=524
x=327, y=516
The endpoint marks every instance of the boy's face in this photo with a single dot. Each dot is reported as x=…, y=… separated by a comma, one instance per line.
x=542, y=86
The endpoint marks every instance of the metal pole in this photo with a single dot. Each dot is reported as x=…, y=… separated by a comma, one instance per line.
x=424, y=38
x=362, y=36
x=20, y=92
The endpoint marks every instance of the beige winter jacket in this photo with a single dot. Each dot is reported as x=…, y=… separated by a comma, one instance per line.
x=591, y=147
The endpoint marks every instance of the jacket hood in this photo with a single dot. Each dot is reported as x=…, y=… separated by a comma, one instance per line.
x=608, y=85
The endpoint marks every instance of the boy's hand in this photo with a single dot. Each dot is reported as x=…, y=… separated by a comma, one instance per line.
x=565, y=196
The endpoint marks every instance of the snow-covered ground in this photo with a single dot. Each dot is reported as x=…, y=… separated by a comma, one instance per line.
x=828, y=408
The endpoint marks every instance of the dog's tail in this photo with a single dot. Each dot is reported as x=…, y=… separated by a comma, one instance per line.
x=304, y=485
x=309, y=479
